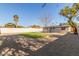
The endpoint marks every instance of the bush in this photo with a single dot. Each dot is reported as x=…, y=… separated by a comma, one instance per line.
x=34, y=35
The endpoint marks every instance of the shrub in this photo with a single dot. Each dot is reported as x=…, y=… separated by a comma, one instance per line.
x=34, y=35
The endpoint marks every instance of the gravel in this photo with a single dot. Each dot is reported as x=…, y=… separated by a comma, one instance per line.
x=16, y=45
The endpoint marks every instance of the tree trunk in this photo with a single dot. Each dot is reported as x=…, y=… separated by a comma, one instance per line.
x=75, y=30
x=73, y=27
x=16, y=24
x=0, y=30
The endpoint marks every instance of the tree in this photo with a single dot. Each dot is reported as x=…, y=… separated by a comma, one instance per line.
x=16, y=19
x=76, y=6
x=10, y=25
x=70, y=13
x=46, y=19
x=35, y=26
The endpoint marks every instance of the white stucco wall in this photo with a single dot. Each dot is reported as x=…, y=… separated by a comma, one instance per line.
x=19, y=30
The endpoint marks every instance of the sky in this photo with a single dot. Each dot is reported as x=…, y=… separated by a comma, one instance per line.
x=29, y=13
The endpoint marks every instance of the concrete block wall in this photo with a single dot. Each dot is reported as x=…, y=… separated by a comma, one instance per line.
x=19, y=30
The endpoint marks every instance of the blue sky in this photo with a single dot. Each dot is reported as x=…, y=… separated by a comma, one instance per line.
x=29, y=13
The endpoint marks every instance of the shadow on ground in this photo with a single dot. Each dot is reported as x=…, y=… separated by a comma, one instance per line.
x=8, y=45
x=17, y=45
x=67, y=45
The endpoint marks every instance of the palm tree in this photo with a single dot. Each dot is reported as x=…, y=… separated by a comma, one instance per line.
x=16, y=19
x=70, y=13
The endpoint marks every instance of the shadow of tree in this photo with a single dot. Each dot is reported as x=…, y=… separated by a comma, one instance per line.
x=9, y=43
x=67, y=45
x=12, y=44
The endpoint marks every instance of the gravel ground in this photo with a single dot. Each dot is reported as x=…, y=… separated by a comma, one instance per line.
x=16, y=45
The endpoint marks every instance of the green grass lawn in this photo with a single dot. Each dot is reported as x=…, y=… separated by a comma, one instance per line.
x=34, y=34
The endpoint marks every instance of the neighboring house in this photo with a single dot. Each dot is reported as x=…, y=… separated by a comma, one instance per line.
x=35, y=26
x=55, y=28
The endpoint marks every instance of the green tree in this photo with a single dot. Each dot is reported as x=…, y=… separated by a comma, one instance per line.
x=10, y=25
x=16, y=19
x=70, y=13
x=76, y=6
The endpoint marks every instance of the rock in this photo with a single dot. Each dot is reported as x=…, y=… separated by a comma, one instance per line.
x=12, y=49
x=33, y=48
x=3, y=52
x=39, y=45
x=6, y=49
x=9, y=52
x=16, y=54
x=25, y=45
x=22, y=53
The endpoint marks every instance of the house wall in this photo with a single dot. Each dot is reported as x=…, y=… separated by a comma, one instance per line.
x=56, y=29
